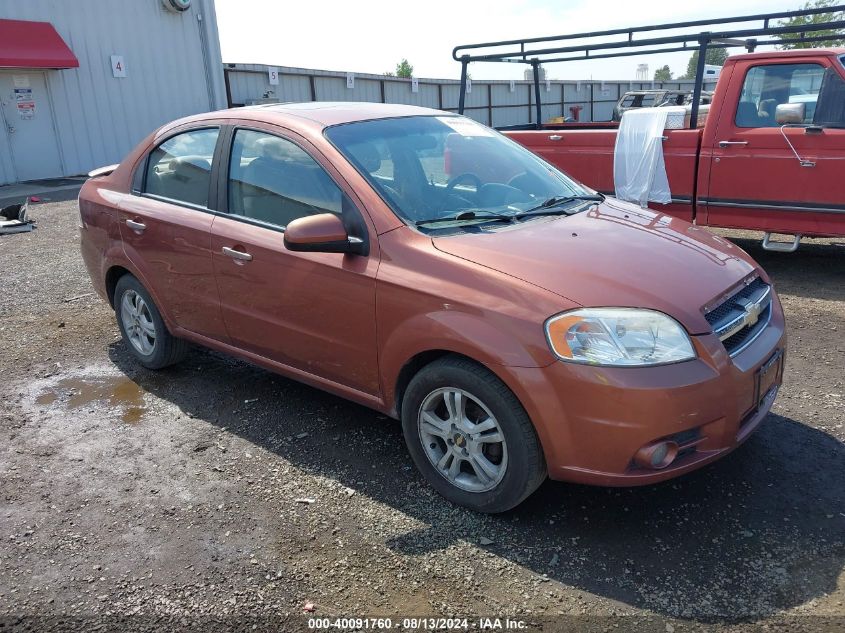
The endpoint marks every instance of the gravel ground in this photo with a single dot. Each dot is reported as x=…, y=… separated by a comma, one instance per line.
x=215, y=494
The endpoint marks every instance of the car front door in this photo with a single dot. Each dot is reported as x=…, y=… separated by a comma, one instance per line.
x=311, y=311
x=776, y=162
x=165, y=225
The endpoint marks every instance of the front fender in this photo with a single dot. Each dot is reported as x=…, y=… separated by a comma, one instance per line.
x=478, y=337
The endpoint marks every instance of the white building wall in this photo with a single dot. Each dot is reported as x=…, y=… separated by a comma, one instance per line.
x=173, y=69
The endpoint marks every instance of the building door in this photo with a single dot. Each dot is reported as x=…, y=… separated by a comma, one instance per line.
x=28, y=119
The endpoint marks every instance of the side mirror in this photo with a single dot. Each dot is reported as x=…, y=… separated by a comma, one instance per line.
x=790, y=113
x=323, y=233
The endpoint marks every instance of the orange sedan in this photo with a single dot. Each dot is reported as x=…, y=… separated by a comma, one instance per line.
x=519, y=324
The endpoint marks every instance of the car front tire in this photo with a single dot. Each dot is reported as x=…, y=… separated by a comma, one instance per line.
x=470, y=437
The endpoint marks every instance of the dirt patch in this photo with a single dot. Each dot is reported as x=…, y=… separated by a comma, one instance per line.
x=141, y=500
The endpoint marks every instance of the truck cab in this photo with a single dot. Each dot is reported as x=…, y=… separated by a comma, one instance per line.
x=768, y=157
x=772, y=148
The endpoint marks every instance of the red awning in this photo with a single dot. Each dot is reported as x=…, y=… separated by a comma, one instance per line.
x=26, y=44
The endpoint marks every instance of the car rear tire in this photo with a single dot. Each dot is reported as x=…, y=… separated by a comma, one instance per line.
x=470, y=437
x=143, y=330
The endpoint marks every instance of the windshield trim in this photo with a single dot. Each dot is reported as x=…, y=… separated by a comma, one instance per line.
x=585, y=190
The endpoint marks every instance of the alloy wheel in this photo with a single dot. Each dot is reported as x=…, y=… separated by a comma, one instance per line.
x=462, y=439
x=138, y=322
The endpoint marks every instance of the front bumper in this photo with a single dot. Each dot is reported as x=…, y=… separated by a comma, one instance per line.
x=592, y=420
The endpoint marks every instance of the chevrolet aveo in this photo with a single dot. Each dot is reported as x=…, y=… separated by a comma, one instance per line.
x=519, y=324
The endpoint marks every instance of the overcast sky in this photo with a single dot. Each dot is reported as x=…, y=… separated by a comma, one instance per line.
x=371, y=36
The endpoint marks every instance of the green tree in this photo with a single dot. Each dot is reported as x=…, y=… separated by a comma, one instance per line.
x=404, y=69
x=837, y=37
x=714, y=56
x=663, y=74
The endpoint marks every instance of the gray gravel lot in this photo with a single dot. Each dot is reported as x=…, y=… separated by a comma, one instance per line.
x=215, y=494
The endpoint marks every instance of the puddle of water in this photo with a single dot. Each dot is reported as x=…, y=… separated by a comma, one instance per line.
x=47, y=398
x=116, y=391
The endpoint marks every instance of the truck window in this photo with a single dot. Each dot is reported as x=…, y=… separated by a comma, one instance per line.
x=628, y=101
x=647, y=101
x=768, y=86
x=830, y=110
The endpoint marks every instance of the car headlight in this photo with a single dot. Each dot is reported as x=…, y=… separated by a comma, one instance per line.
x=618, y=336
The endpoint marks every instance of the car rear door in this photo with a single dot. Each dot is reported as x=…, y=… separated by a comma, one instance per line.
x=767, y=174
x=314, y=312
x=166, y=229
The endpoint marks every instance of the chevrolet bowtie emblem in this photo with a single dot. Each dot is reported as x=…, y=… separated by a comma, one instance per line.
x=752, y=313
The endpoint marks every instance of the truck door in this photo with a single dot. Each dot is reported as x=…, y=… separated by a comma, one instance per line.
x=776, y=161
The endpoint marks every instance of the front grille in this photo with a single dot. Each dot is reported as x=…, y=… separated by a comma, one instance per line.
x=730, y=318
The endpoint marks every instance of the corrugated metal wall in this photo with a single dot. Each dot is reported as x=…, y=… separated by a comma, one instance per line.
x=173, y=69
x=490, y=102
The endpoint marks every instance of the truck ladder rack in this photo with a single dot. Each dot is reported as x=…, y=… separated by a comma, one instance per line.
x=745, y=31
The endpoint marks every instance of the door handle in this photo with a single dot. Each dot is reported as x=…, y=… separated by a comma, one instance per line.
x=136, y=226
x=236, y=254
x=729, y=143
x=555, y=137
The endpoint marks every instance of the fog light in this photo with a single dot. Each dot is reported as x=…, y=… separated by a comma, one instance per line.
x=656, y=455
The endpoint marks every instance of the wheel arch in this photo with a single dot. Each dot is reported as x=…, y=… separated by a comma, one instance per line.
x=113, y=275
x=411, y=368
x=422, y=359
x=437, y=334
x=117, y=268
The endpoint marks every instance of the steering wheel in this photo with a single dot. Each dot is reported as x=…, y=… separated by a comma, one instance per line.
x=460, y=178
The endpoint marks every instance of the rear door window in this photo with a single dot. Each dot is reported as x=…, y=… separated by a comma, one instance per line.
x=180, y=168
x=768, y=86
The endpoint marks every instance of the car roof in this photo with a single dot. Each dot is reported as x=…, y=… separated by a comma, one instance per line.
x=315, y=114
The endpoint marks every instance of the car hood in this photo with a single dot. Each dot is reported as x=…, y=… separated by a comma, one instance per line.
x=614, y=254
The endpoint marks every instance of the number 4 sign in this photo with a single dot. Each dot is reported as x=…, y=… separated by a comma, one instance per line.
x=118, y=66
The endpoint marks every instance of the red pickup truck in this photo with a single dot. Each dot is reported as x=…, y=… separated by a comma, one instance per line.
x=770, y=156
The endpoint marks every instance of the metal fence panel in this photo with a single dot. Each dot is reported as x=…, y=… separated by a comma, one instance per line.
x=489, y=102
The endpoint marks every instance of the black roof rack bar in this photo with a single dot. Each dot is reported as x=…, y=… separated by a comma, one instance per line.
x=460, y=51
x=655, y=41
x=677, y=49
x=747, y=36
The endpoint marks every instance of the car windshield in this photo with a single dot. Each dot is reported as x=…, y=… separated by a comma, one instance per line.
x=450, y=167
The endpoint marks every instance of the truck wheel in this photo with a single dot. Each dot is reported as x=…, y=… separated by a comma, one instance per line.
x=470, y=437
x=142, y=327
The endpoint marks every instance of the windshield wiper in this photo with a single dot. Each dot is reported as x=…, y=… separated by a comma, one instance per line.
x=468, y=215
x=548, y=207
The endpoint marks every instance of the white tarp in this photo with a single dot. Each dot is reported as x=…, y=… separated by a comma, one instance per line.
x=639, y=173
